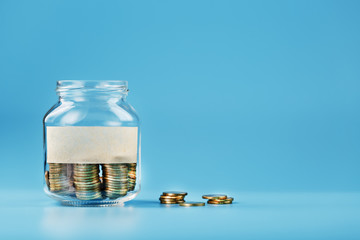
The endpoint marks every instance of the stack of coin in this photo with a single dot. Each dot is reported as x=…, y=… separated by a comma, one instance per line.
x=218, y=199
x=115, y=177
x=172, y=197
x=87, y=181
x=132, y=176
x=57, y=178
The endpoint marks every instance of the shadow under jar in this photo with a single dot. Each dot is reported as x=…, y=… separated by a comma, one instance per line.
x=92, y=144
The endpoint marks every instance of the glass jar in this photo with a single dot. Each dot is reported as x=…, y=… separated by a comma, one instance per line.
x=92, y=144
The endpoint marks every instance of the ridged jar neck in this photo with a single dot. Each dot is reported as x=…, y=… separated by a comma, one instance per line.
x=91, y=90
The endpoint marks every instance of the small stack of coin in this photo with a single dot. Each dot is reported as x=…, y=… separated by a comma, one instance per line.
x=218, y=199
x=115, y=177
x=172, y=197
x=57, y=178
x=87, y=181
x=132, y=176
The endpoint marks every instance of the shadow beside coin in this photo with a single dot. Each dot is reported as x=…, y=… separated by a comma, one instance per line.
x=143, y=204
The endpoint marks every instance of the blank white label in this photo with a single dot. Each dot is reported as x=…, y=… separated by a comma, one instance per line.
x=92, y=144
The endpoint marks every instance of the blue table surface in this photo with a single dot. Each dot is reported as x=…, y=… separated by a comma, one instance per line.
x=30, y=214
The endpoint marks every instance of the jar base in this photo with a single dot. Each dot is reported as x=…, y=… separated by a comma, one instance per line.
x=68, y=201
x=92, y=203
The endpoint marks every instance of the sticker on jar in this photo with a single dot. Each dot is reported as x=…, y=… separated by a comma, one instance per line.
x=93, y=145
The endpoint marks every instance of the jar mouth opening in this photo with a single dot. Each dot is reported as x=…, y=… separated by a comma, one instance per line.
x=92, y=85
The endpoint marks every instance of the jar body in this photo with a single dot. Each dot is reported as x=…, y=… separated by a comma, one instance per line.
x=92, y=146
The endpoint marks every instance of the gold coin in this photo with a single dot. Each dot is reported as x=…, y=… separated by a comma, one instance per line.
x=168, y=197
x=57, y=187
x=174, y=193
x=81, y=188
x=82, y=174
x=173, y=201
x=168, y=202
x=214, y=196
x=192, y=204
x=228, y=200
x=215, y=202
x=115, y=178
x=88, y=182
x=57, y=172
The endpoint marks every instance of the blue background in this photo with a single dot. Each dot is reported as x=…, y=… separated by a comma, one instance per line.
x=234, y=96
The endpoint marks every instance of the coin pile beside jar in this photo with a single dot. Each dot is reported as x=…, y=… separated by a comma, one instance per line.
x=218, y=199
x=174, y=197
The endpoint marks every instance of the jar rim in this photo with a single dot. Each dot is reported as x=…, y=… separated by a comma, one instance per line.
x=91, y=85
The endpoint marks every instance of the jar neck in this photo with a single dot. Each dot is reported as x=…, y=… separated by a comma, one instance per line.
x=92, y=91
x=81, y=97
